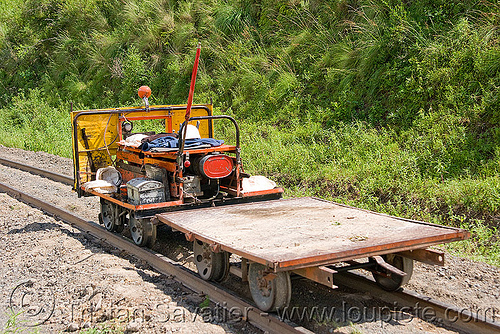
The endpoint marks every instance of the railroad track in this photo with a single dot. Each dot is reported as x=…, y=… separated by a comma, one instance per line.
x=45, y=173
x=447, y=315
x=159, y=262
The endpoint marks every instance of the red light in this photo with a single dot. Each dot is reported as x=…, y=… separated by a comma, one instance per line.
x=187, y=163
x=144, y=91
x=216, y=166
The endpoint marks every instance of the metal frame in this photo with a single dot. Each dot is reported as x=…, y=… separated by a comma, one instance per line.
x=150, y=210
x=402, y=248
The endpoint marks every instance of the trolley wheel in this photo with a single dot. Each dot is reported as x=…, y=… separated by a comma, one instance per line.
x=142, y=230
x=211, y=266
x=267, y=293
x=110, y=217
x=121, y=219
x=394, y=282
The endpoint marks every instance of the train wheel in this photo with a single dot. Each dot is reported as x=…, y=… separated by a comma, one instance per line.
x=211, y=266
x=393, y=282
x=270, y=291
x=108, y=216
x=143, y=231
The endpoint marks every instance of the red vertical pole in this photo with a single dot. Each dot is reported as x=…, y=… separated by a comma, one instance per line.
x=182, y=135
x=193, y=81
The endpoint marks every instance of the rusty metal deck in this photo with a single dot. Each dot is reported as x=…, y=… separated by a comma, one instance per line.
x=304, y=232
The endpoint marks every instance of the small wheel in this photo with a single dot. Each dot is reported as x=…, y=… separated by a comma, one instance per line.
x=121, y=219
x=267, y=293
x=143, y=231
x=211, y=266
x=110, y=216
x=107, y=217
x=392, y=282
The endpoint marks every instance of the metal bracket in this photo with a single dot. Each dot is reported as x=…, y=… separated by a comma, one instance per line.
x=240, y=272
x=244, y=270
x=322, y=275
x=189, y=236
x=269, y=277
x=429, y=256
x=390, y=268
x=216, y=248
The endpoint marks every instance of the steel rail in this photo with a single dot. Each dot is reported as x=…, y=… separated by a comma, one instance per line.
x=47, y=174
x=449, y=315
x=164, y=265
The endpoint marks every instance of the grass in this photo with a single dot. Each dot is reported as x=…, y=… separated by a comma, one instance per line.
x=104, y=328
x=32, y=124
x=390, y=105
x=14, y=325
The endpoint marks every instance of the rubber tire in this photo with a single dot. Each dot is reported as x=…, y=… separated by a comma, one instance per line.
x=394, y=282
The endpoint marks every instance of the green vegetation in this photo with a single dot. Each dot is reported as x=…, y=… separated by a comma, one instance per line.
x=388, y=105
x=205, y=302
x=15, y=325
x=103, y=328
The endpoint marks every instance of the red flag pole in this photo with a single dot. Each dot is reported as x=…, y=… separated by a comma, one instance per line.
x=182, y=134
x=193, y=81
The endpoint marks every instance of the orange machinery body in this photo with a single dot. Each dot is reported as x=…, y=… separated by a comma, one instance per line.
x=98, y=142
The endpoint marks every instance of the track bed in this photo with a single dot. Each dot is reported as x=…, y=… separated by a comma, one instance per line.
x=304, y=232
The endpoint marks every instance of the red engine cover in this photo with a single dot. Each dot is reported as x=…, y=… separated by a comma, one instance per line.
x=216, y=166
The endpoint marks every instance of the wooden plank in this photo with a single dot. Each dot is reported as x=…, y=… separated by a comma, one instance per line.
x=301, y=232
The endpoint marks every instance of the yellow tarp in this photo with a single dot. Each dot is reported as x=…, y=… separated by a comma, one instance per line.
x=101, y=131
x=178, y=119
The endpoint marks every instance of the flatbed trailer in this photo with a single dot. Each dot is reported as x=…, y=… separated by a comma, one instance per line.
x=309, y=237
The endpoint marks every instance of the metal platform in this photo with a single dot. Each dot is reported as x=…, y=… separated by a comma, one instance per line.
x=304, y=232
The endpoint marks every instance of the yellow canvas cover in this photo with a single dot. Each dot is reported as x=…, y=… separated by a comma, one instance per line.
x=97, y=138
x=97, y=133
x=178, y=119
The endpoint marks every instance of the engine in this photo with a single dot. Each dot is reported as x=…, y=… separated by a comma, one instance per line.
x=201, y=180
x=204, y=172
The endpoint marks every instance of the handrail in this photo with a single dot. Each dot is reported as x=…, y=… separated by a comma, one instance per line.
x=180, y=154
x=197, y=118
